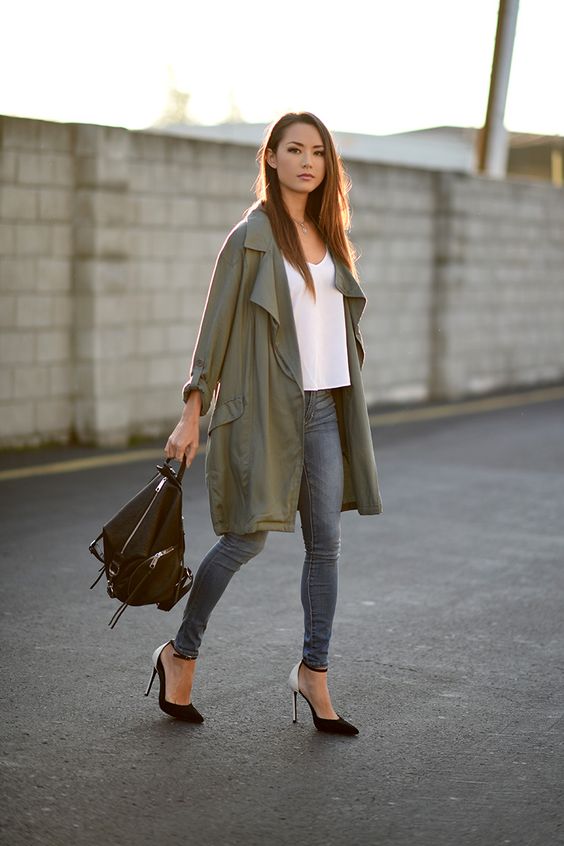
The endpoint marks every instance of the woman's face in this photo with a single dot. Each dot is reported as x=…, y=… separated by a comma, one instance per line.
x=299, y=159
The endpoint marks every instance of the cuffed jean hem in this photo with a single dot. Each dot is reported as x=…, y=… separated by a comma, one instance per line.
x=310, y=666
x=180, y=652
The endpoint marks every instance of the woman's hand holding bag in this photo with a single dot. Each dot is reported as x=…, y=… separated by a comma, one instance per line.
x=185, y=438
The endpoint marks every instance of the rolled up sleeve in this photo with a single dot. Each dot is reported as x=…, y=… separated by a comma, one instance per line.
x=216, y=322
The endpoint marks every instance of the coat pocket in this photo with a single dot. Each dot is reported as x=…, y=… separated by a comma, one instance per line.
x=226, y=412
x=227, y=461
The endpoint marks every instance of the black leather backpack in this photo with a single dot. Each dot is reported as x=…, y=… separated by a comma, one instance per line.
x=143, y=546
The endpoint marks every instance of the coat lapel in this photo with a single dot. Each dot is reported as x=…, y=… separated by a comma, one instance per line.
x=264, y=288
x=271, y=292
x=259, y=237
x=349, y=287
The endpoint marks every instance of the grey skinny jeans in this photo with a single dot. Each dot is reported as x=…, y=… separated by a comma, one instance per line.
x=319, y=505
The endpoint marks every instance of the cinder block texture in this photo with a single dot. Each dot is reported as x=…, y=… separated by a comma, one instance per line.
x=498, y=304
x=108, y=239
x=36, y=258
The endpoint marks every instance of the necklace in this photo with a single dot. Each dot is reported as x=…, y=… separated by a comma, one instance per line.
x=302, y=224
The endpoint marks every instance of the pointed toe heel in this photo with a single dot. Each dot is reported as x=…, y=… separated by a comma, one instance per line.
x=338, y=726
x=181, y=712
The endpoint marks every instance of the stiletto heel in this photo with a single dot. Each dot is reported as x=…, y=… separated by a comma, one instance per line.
x=151, y=680
x=181, y=712
x=338, y=726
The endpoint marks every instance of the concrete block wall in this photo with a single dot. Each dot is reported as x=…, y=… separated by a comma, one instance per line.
x=498, y=316
x=107, y=243
x=36, y=257
x=103, y=349
x=130, y=242
x=393, y=232
x=184, y=198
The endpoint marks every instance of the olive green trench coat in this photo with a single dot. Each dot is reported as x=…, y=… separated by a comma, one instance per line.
x=247, y=362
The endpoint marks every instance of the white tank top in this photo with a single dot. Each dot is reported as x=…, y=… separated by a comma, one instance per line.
x=320, y=326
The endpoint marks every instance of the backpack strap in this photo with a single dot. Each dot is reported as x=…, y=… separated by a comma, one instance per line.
x=101, y=572
x=93, y=550
x=124, y=605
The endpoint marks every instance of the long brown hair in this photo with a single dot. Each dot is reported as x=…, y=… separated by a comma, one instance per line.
x=327, y=205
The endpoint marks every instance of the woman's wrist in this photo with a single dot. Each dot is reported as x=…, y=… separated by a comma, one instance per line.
x=193, y=405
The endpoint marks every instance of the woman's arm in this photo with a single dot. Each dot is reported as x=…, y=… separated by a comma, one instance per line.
x=211, y=346
x=216, y=321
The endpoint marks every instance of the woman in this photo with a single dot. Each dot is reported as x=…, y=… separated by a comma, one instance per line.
x=279, y=351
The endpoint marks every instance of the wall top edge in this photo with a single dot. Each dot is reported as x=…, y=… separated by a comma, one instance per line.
x=383, y=161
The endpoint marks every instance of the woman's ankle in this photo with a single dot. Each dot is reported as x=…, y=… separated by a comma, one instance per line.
x=314, y=669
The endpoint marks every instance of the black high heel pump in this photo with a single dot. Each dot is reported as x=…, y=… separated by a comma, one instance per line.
x=339, y=726
x=181, y=712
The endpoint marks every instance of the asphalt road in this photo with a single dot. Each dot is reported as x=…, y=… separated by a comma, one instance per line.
x=447, y=653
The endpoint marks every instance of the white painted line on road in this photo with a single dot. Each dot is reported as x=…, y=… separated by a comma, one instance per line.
x=408, y=415
x=75, y=464
x=475, y=406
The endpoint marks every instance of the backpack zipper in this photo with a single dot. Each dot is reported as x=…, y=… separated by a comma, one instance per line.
x=158, y=555
x=159, y=486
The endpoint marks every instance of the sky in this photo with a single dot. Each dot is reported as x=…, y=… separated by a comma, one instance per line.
x=370, y=66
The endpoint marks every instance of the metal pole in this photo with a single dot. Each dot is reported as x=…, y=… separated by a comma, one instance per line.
x=492, y=139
